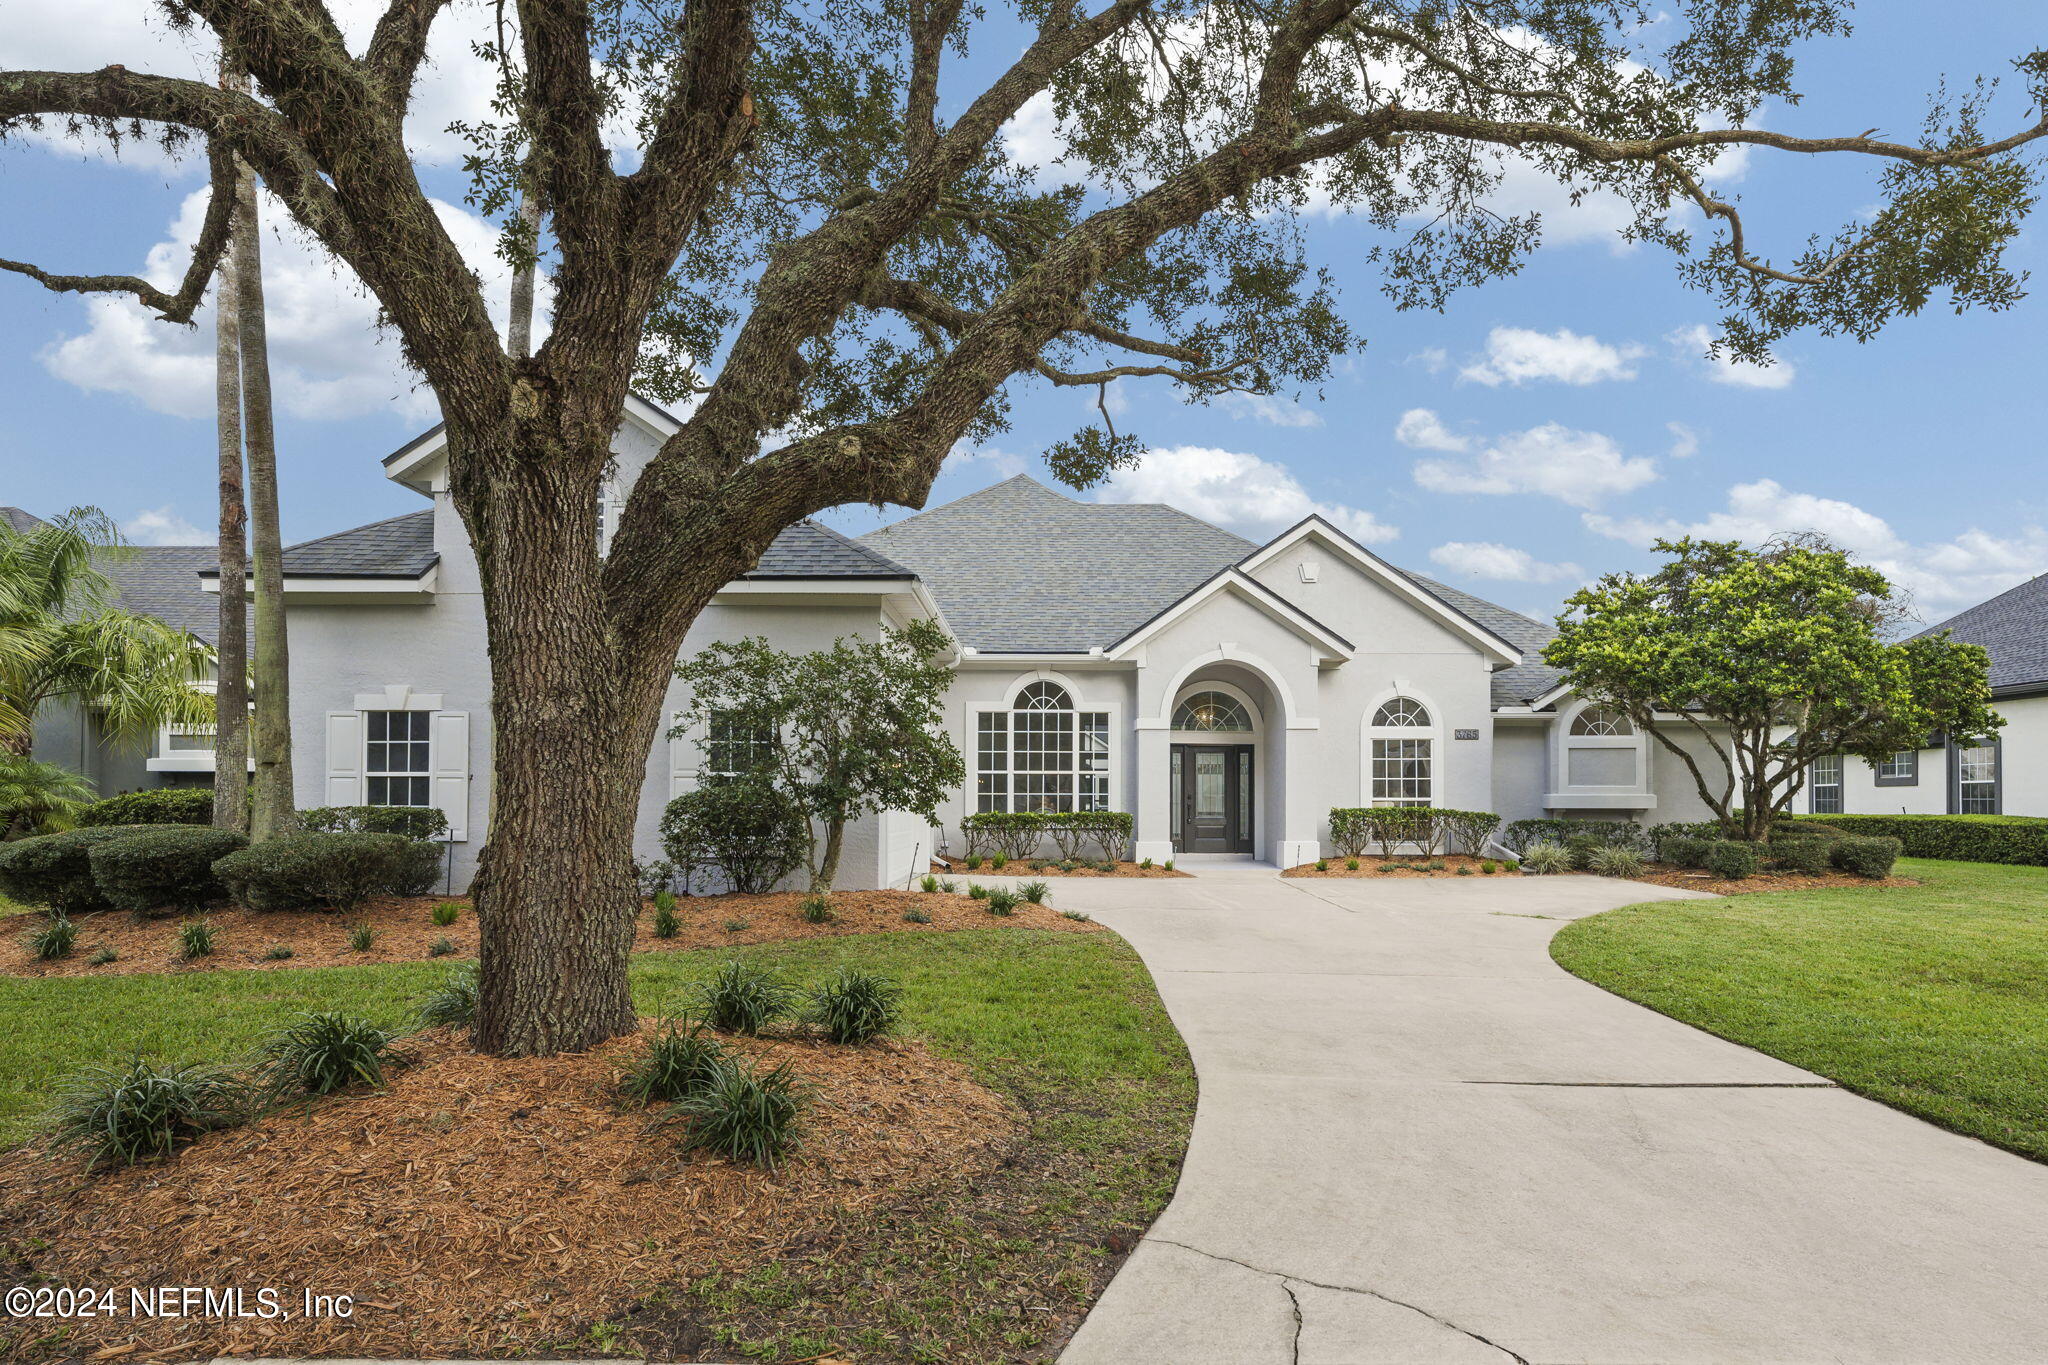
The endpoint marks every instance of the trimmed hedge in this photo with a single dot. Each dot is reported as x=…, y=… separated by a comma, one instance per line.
x=413, y=822
x=746, y=830
x=1731, y=858
x=153, y=806
x=1954, y=838
x=1356, y=829
x=55, y=870
x=1016, y=834
x=323, y=871
x=1807, y=856
x=1520, y=834
x=167, y=869
x=1683, y=850
x=1865, y=855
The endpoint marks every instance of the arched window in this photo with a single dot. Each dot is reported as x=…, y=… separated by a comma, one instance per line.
x=1602, y=722
x=1042, y=754
x=1402, y=712
x=1212, y=711
x=1403, y=754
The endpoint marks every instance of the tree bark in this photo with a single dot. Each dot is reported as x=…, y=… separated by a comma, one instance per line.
x=519, y=327
x=274, y=807
x=231, y=693
x=555, y=894
x=828, y=866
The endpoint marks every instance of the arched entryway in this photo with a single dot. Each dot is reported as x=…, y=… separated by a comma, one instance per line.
x=1220, y=732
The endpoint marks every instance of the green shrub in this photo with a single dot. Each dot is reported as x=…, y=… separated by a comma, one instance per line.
x=323, y=871
x=1489, y=867
x=855, y=1006
x=1519, y=835
x=319, y=1053
x=999, y=861
x=1168, y=865
x=1865, y=856
x=1808, y=857
x=667, y=923
x=1034, y=892
x=1322, y=864
x=410, y=822
x=1078, y=916
x=1351, y=864
x=55, y=870
x=654, y=875
x=52, y=939
x=738, y=926
x=745, y=997
x=121, y=1115
x=816, y=909
x=1546, y=859
x=681, y=1060
x=1685, y=851
x=195, y=939
x=1804, y=829
x=1656, y=837
x=279, y=953
x=1957, y=838
x=928, y=883
x=1616, y=862
x=744, y=1113
x=1146, y=864
x=446, y=913
x=153, y=806
x=451, y=1003
x=948, y=885
x=360, y=937
x=1731, y=859
x=1356, y=830
x=916, y=916
x=1016, y=834
x=1001, y=901
x=165, y=869
x=441, y=947
x=973, y=862
x=1464, y=869
x=977, y=891
x=744, y=833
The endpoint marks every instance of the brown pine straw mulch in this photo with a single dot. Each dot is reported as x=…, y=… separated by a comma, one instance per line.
x=404, y=931
x=1658, y=874
x=480, y=1206
x=1023, y=868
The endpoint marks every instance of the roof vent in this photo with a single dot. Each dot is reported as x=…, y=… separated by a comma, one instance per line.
x=1310, y=570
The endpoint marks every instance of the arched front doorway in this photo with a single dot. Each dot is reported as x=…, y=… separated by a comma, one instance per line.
x=1217, y=732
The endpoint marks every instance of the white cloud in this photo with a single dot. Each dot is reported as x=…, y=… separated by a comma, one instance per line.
x=1422, y=429
x=329, y=359
x=1279, y=412
x=1432, y=358
x=164, y=526
x=1244, y=492
x=1488, y=559
x=1580, y=468
x=1693, y=343
x=1517, y=355
x=1685, y=442
x=1942, y=575
x=1001, y=463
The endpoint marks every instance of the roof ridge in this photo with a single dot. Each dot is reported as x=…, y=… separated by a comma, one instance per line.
x=852, y=544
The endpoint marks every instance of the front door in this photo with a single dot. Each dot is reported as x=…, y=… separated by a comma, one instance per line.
x=1215, y=791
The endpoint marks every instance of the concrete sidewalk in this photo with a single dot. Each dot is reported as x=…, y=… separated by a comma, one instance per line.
x=1421, y=1140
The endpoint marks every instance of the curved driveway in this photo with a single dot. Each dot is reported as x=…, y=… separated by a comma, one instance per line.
x=1421, y=1140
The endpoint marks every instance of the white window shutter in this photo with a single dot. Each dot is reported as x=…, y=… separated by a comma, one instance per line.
x=344, y=758
x=451, y=770
x=682, y=774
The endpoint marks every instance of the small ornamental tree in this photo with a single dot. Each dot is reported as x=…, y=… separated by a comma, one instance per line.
x=856, y=728
x=1767, y=658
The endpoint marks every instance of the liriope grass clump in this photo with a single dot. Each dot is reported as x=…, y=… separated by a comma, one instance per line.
x=746, y=1113
x=452, y=1002
x=319, y=1053
x=856, y=1007
x=681, y=1060
x=745, y=997
x=52, y=939
x=144, y=1110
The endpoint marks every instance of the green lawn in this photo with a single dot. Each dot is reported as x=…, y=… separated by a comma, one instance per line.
x=1067, y=1024
x=1931, y=998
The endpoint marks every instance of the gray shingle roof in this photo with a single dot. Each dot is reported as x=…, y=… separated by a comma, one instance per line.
x=163, y=581
x=19, y=521
x=398, y=547
x=1018, y=568
x=809, y=550
x=2014, y=627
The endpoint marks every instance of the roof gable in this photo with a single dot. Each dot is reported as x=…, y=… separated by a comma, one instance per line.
x=2013, y=627
x=1235, y=581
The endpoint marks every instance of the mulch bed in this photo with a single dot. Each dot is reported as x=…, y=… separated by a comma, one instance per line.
x=1663, y=875
x=480, y=1206
x=404, y=931
x=1025, y=868
x=1405, y=867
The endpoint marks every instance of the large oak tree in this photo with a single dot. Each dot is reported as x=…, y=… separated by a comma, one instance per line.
x=824, y=241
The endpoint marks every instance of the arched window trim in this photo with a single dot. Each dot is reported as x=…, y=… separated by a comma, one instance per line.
x=1033, y=756
x=1402, y=765
x=1615, y=724
x=1565, y=740
x=1190, y=690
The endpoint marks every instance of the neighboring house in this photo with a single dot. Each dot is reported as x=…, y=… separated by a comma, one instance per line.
x=1117, y=656
x=2008, y=776
x=151, y=580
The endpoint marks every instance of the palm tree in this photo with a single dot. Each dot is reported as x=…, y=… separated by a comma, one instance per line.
x=62, y=639
x=38, y=798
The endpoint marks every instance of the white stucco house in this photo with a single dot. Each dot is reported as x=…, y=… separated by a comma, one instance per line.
x=1109, y=656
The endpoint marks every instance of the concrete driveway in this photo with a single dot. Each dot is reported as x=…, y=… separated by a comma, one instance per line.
x=1421, y=1140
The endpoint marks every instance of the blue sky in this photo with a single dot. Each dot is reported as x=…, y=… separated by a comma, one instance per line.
x=1537, y=433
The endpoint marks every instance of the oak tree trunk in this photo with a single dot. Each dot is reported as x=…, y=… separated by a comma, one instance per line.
x=231, y=694
x=828, y=866
x=273, y=810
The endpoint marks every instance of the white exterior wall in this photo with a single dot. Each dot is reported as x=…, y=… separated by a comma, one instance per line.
x=2025, y=758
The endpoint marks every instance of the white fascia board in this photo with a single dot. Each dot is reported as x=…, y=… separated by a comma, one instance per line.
x=1502, y=651
x=347, y=591
x=1333, y=647
x=1552, y=697
x=796, y=588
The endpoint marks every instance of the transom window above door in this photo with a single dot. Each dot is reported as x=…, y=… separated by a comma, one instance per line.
x=1213, y=712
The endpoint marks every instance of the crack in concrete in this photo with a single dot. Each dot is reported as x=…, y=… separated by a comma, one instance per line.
x=1672, y=1085
x=1288, y=1281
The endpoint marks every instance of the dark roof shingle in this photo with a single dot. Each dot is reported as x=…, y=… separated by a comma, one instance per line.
x=809, y=550
x=163, y=581
x=2013, y=626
